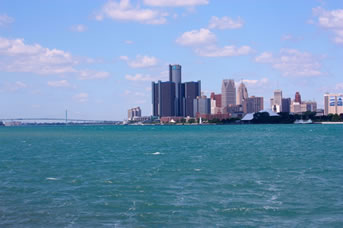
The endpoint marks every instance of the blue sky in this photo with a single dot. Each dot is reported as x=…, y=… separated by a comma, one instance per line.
x=97, y=58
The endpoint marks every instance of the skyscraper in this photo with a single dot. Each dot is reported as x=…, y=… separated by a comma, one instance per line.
x=163, y=98
x=333, y=104
x=216, y=103
x=253, y=104
x=175, y=76
x=242, y=93
x=276, y=102
x=190, y=91
x=202, y=105
x=228, y=94
x=297, y=97
x=286, y=104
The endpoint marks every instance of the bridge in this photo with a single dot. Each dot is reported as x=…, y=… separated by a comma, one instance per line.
x=57, y=120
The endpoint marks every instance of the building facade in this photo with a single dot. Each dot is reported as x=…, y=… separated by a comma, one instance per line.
x=163, y=95
x=191, y=90
x=228, y=94
x=242, y=94
x=286, y=104
x=253, y=104
x=202, y=105
x=216, y=103
x=276, y=102
x=134, y=113
x=333, y=104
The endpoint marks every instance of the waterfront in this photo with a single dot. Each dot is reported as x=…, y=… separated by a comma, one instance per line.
x=179, y=176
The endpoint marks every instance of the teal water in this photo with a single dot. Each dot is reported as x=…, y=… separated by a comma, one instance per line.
x=172, y=176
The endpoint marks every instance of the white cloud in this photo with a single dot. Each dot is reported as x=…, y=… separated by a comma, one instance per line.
x=292, y=62
x=339, y=86
x=225, y=23
x=140, y=61
x=175, y=3
x=5, y=20
x=226, y=51
x=196, y=37
x=332, y=21
x=78, y=28
x=90, y=74
x=81, y=97
x=124, y=11
x=61, y=83
x=20, y=57
x=12, y=87
x=253, y=83
x=129, y=42
x=139, y=77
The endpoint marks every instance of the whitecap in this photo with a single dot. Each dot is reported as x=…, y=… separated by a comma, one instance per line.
x=51, y=178
x=156, y=153
x=197, y=170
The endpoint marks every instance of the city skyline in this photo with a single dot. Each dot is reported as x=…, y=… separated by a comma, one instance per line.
x=98, y=58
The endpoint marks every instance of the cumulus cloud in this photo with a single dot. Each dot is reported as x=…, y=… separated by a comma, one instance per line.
x=291, y=62
x=140, y=61
x=17, y=56
x=91, y=74
x=5, y=20
x=204, y=43
x=81, y=97
x=78, y=28
x=196, y=37
x=61, y=83
x=226, y=51
x=225, y=23
x=12, y=87
x=124, y=11
x=254, y=83
x=175, y=3
x=332, y=21
x=139, y=77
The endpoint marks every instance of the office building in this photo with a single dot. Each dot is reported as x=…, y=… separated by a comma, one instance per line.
x=297, y=97
x=176, y=77
x=253, y=104
x=216, y=103
x=305, y=106
x=202, y=105
x=333, y=104
x=276, y=102
x=242, y=93
x=228, y=94
x=163, y=98
x=286, y=104
x=190, y=91
x=134, y=113
x=174, y=98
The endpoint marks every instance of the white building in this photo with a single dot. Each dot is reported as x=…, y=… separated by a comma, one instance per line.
x=333, y=104
x=276, y=102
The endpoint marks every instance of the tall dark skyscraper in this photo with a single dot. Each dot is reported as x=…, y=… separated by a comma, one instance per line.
x=192, y=90
x=176, y=77
x=174, y=98
x=163, y=98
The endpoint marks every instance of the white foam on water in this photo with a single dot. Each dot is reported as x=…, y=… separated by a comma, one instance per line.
x=51, y=178
x=156, y=153
x=197, y=170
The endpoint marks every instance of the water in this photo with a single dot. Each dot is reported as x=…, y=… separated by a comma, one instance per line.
x=172, y=176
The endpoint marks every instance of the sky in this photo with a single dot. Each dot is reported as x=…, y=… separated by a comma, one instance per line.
x=97, y=58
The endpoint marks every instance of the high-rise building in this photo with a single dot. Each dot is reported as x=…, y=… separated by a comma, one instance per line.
x=134, y=112
x=276, y=102
x=190, y=91
x=228, y=94
x=175, y=76
x=305, y=106
x=216, y=103
x=253, y=104
x=286, y=104
x=242, y=93
x=333, y=104
x=174, y=98
x=202, y=105
x=297, y=97
x=163, y=98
